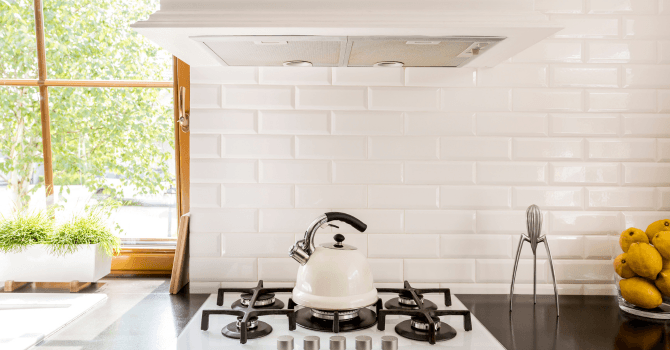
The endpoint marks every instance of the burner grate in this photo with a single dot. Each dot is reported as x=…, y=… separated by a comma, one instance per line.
x=336, y=321
x=246, y=315
x=425, y=324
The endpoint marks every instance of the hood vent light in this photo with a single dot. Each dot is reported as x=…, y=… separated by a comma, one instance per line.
x=389, y=64
x=297, y=64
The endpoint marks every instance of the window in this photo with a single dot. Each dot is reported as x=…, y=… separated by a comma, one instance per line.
x=87, y=113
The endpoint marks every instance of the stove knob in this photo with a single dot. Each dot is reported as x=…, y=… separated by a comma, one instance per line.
x=312, y=343
x=389, y=342
x=363, y=342
x=285, y=342
x=338, y=343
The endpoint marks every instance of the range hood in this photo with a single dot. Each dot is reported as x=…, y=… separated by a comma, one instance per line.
x=343, y=33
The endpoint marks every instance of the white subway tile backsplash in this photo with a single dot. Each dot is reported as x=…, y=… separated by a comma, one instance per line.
x=646, y=174
x=584, y=223
x=331, y=97
x=220, y=121
x=550, y=100
x=432, y=173
x=386, y=270
x=223, y=220
x=623, y=6
x=621, y=101
x=258, y=97
x=203, y=287
x=335, y=196
x=248, y=146
x=205, y=195
x=559, y=6
x=362, y=172
x=224, y=75
x=548, y=148
x=584, y=76
x=471, y=197
x=223, y=170
x=410, y=197
x=583, y=271
x=368, y=76
x=647, y=76
x=577, y=124
x=552, y=51
x=331, y=147
x=204, y=245
x=295, y=171
x=487, y=246
x=277, y=269
x=441, y=124
x=367, y=123
x=294, y=76
x=618, y=149
x=404, y=98
x=476, y=100
x=287, y=220
x=441, y=163
x=584, y=173
x=500, y=271
x=512, y=124
x=205, y=96
x=442, y=270
x=646, y=125
x=646, y=27
x=247, y=245
x=414, y=245
x=549, y=197
x=403, y=147
x=598, y=247
x=440, y=77
x=221, y=269
x=205, y=146
x=609, y=198
x=294, y=122
x=378, y=220
x=510, y=222
x=476, y=148
x=439, y=221
x=601, y=27
x=257, y=196
x=612, y=51
x=506, y=173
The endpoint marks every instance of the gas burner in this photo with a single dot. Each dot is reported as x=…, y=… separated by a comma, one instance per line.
x=258, y=304
x=336, y=321
x=406, y=301
x=425, y=324
x=264, y=301
x=255, y=329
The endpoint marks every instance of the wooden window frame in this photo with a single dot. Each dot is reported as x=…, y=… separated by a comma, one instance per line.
x=133, y=261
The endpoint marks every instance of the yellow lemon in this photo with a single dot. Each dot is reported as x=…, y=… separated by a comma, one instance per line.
x=644, y=260
x=630, y=236
x=663, y=282
x=661, y=242
x=656, y=227
x=621, y=266
x=640, y=292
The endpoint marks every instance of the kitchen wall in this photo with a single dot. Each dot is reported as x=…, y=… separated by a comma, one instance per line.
x=441, y=163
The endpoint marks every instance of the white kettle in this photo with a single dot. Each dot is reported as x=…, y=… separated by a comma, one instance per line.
x=333, y=276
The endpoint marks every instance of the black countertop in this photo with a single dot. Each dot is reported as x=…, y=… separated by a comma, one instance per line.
x=586, y=322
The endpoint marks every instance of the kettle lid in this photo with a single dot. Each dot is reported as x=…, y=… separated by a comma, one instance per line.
x=338, y=245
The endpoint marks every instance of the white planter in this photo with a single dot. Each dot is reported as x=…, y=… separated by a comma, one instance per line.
x=36, y=264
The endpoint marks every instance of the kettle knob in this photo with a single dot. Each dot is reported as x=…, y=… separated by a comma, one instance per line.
x=339, y=238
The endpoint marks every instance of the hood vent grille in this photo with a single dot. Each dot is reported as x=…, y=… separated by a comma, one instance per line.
x=324, y=51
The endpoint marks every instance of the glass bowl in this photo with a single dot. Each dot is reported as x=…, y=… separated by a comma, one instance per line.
x=662, y=312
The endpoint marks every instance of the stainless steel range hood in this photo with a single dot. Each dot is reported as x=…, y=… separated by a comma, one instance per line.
x=326, y=51
x=346, y=33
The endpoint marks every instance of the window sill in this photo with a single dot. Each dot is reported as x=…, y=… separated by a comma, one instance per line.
x=143, y=261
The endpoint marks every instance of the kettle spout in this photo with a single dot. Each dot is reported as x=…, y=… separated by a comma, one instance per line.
x=298, y=254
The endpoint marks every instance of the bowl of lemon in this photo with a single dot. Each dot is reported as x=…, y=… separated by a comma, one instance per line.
x=642, y=271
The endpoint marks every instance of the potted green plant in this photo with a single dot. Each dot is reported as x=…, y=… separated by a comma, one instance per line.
x=33, y=249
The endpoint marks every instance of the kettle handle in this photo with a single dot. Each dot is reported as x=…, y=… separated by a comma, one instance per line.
x=354, y=222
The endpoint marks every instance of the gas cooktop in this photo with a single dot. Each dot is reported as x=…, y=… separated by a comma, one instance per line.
x=456, y=327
